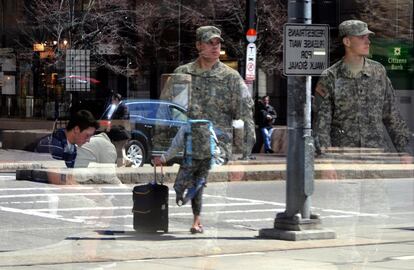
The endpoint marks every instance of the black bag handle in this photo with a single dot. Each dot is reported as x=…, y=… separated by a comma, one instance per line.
x=155, y=174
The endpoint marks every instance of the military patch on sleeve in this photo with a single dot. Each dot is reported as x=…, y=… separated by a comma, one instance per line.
x=320, y=90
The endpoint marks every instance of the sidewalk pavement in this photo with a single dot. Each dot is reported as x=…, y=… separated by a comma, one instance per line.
x=338, y=165
x=106, y=246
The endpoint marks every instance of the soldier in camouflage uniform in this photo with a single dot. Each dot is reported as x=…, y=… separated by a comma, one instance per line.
x=219, y=94
x=355, y=99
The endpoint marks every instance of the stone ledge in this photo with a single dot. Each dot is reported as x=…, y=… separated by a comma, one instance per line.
x=113, y=175
x=22, y=139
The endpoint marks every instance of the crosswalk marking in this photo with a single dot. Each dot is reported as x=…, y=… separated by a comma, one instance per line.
x=187, y=214
x=220, y=201
x=354, y=213
x=244, y=199
x=97, y=208
x=24, y=202
x=403, y=258
x=65, y=194
x=39, y=214
x=236, y=254
x=46, y=188
x=248, y=220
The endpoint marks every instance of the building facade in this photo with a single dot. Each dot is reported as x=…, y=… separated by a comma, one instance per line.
x=127, y=45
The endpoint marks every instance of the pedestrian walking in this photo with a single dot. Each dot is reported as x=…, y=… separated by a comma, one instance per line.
x=198, y=141
x=218, y=94
x=267, y=117
x=119, y=109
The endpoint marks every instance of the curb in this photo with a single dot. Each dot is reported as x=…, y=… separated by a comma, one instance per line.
x=226, y=173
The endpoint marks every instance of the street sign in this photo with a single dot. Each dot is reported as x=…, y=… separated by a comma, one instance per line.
x=251, y=62
x=306, y=49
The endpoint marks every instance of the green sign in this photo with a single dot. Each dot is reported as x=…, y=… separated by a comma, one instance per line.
x=397, y=57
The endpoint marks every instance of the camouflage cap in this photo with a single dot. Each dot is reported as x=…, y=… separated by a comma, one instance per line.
x=206, y=33
x=353, y=28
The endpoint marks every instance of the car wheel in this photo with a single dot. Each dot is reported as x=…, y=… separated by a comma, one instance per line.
x=134, y=153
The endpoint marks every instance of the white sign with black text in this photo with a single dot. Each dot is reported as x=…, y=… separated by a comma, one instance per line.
x=251, y=62
x=306, y=49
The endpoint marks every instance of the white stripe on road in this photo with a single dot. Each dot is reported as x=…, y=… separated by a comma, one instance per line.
x=45, y=188
x=230, y=212
x=339, y=216
x=248, y=220
x=130, y=207
x=38, y=214
x=63, y=194
x=186, y=214
x=25, y=202
x=218, y=205
x=244, y=199
x=403, y=258
x=400, y=213
x=7, y=177
x=235, y=254
x=97, y=208
x=242, y=202
x=355, y=213
x=104, y=217
x=252, y=202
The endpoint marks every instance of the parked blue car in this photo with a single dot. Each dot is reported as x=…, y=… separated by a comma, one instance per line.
x=153, y=125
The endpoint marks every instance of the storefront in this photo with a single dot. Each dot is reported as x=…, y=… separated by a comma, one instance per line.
x=130, y=56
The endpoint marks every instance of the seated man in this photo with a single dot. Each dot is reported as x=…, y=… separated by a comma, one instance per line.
x=63, y=143
x=101, y=148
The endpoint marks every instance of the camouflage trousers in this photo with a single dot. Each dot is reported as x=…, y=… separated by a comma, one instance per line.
x=188, y=176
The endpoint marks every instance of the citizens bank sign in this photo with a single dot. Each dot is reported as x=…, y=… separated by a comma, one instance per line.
x=395, y=61
x=397, y=56
x=393, y=54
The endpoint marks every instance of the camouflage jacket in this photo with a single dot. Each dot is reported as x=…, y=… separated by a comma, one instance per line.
x=352, y=110
x=221, y=96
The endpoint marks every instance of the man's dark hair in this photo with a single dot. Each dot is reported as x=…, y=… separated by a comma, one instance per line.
x=83, y=119
x=117, y=96
x=118, y=133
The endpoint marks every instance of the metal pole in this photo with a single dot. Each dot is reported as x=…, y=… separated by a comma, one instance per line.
x=251, y=14
x=250, y=24
x=300, y=142
x=309, y=150
x=297, y=222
